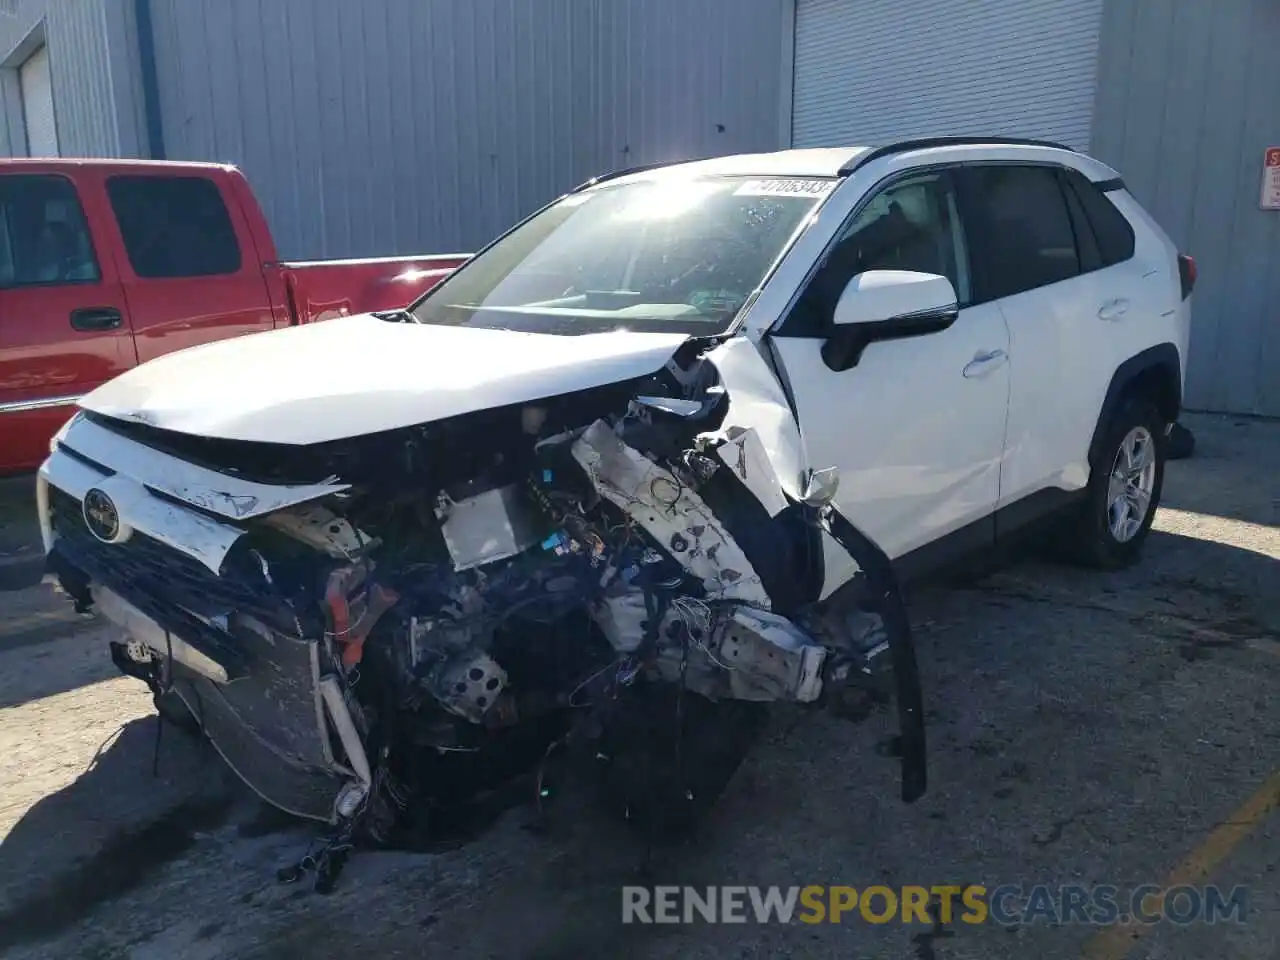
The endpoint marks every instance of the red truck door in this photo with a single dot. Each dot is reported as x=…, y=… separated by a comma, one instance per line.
x=64, y=328
x=192, y=272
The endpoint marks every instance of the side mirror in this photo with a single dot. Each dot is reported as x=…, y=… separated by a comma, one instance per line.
x=887, y=305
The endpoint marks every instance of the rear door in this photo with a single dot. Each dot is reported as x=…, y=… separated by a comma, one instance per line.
x=63, y=324
x=191, y=271
x=1066, y=310
x=1135, y=282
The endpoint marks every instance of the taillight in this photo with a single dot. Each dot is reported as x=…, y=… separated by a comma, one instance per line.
x=1187, y=274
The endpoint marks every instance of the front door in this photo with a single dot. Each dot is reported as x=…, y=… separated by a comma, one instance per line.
x=64, y=328
x=916, y=427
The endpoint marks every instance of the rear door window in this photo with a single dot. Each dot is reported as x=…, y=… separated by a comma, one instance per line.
x=1029, y=240
x=174, y=226
x=44, y=239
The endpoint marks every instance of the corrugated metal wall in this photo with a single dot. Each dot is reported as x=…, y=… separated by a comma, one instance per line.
x=875, y=71
x=1188, y=99
x=391, y=126
x=84, y=94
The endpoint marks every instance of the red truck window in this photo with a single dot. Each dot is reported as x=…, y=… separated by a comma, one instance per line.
x=174, y=226
x=43, y=236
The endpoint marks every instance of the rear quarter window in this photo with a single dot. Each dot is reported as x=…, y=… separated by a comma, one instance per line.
x=1111, y=229
x=174, y=226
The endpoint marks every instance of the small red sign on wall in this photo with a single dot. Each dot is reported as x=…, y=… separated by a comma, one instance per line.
x=1271, y=179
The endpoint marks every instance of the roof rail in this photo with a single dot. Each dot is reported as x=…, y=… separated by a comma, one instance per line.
x=627, y=171
x=925, y=143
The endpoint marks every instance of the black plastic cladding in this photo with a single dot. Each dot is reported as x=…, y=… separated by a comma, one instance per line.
x=885, y=595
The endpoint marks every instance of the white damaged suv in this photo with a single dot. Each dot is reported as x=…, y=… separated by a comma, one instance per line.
x=601, y=486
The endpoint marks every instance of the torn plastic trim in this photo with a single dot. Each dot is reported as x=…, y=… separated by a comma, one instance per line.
x=336, y=707
x=196, y=535
x=885, y=593
x=196, y=703
x=219, y=493
x=161, y=642
x=744, y=454
x=757, y=400
x=675, y=405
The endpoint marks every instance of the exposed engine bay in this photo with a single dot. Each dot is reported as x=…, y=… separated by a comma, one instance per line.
x=614, y=577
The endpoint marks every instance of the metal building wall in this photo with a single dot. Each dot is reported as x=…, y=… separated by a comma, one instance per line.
x=391, y=126
x=1187, y=101
x=875, y=71
x=84, y=92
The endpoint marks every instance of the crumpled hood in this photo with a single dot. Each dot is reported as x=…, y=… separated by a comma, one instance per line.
x=357, y=375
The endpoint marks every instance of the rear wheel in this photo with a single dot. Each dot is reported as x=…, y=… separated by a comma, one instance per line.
x=1124, y=489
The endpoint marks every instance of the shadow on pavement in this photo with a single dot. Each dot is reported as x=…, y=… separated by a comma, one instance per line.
x=61, y=653
x=18, y=521
x=109, y=832
x=1230, y=588
x=21, y=571
x=1235, y=473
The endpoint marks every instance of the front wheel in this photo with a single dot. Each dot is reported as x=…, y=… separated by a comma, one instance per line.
x=1124, y=489
x=173, y=710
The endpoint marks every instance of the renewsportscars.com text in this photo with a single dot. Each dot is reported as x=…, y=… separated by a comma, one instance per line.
x=1006, y=904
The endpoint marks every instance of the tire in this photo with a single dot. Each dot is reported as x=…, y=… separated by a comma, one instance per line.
x=173, y=710
x=1108, y=534
x=663, y=779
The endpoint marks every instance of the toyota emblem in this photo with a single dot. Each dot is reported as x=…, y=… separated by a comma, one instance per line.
x=101, y=516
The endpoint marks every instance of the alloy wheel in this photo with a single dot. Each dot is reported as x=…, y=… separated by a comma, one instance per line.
x=1133, y=478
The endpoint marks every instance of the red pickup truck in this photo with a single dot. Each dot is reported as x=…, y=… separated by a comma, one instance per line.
x=105, y=264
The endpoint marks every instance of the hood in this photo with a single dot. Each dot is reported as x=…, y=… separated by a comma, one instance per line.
x=357, y=375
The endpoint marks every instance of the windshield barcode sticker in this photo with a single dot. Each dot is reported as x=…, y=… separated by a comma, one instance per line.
x=785, y=188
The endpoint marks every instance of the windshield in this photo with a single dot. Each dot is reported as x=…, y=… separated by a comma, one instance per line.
x=667, y=256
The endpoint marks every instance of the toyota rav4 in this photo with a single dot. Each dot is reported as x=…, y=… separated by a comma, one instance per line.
x=657, y=455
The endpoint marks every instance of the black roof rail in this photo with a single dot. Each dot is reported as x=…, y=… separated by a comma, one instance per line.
x=925, y=143
x=627, y=171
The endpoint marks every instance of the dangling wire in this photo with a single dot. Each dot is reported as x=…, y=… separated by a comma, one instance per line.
x=615, y=665
x=697, y=617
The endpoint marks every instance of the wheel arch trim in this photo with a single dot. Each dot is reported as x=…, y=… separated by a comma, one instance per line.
x=1163, y=360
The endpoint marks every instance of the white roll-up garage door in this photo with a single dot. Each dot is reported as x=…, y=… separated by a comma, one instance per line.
x=37, y=105
x=874, y=71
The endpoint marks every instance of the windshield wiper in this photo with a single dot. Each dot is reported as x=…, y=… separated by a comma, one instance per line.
x=396, y=316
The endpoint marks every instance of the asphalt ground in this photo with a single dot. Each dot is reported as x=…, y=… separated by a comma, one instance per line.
x=1084, y=729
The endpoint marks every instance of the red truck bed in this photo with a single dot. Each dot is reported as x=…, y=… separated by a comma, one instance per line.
x=323, y=289
x=105, y=264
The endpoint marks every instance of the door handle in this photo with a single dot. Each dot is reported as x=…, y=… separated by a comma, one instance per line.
x=96, y=318
x=984, y=362
x=1113, y=309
